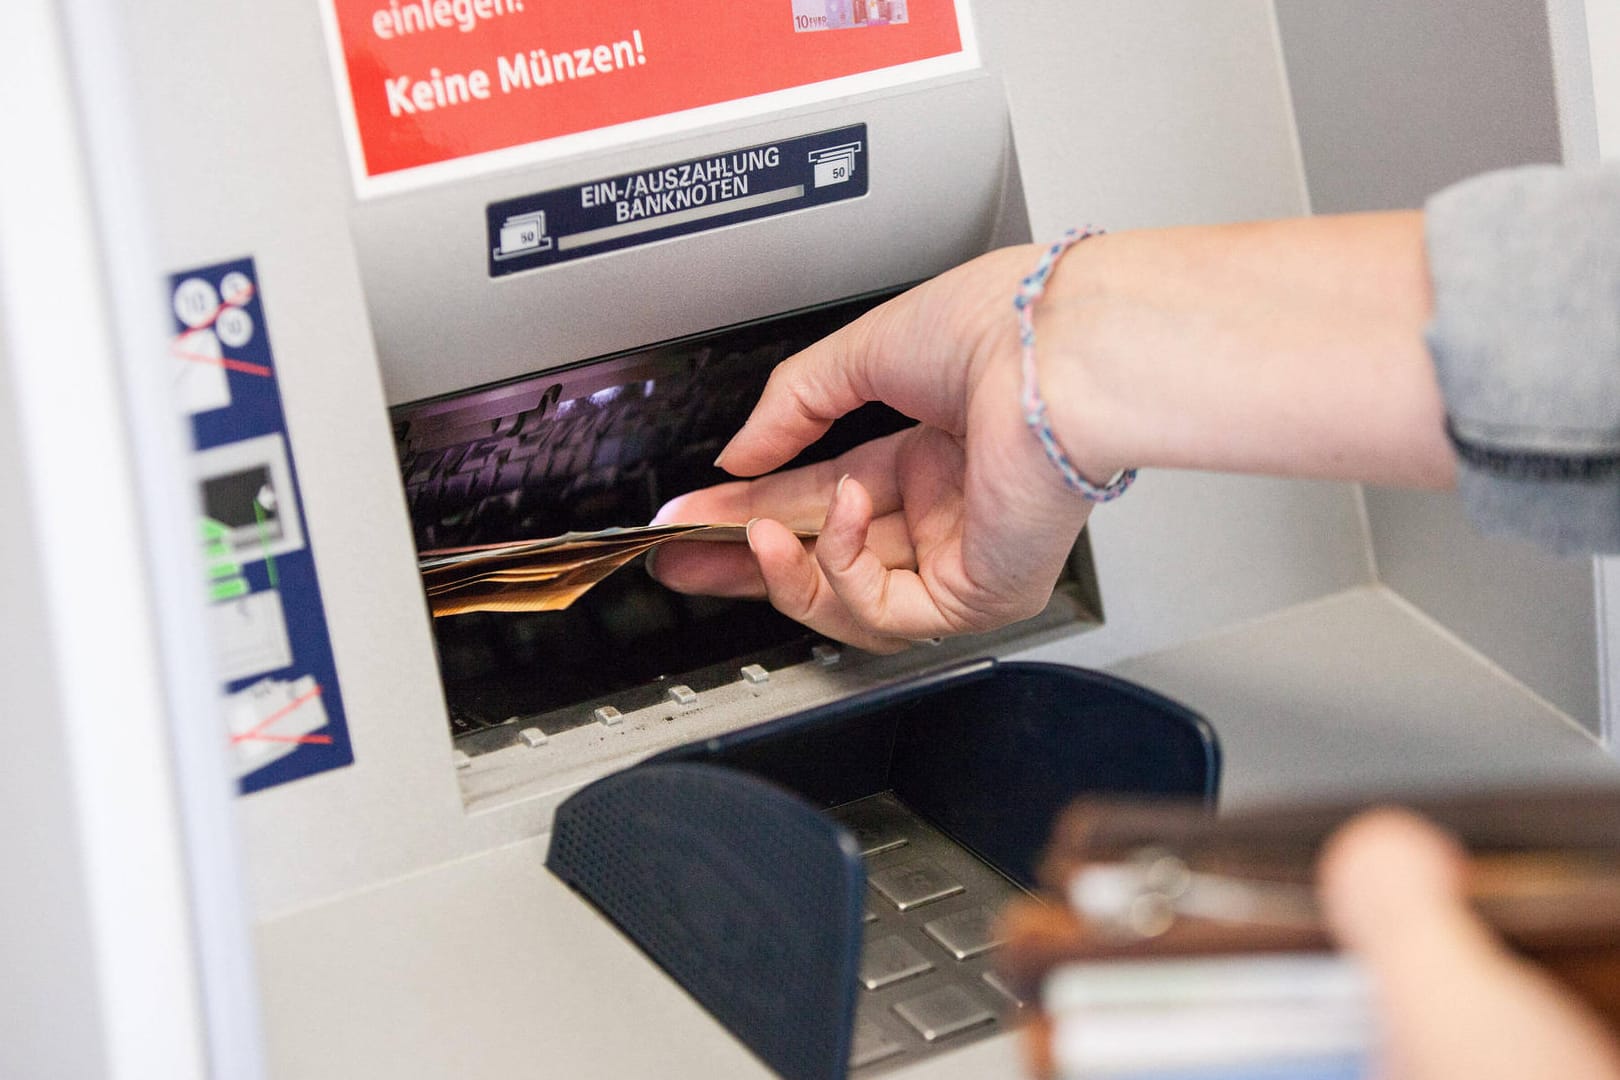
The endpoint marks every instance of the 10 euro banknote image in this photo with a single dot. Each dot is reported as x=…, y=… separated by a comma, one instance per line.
x=811, y=15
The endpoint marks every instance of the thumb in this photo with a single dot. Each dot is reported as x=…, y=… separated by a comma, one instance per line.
x=1453, y=1000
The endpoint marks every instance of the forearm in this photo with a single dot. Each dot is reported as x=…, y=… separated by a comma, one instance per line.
x=1285, y=348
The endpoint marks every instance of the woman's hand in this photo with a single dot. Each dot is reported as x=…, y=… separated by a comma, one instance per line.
x=1454, y=1001
x=956, y=525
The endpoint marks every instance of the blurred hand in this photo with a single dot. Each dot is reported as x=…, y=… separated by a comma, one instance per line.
x=1454, y=1001
x=958, y=524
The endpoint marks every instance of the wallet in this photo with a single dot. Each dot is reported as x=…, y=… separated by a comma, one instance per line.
x=1124, y=882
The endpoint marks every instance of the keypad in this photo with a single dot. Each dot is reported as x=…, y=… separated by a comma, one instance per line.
x=926, y=978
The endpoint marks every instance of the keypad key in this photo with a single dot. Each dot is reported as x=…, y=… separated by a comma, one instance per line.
x=914, y=883
x=1002, y=987
x=890, y=959
x=877, y=836
x=943, y=1012
x=966, y=933
x=879, y=824
x=871, y=1045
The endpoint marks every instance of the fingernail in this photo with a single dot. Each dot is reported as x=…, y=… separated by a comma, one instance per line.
x=839, y=490
x=748, y=532
x=648, y=563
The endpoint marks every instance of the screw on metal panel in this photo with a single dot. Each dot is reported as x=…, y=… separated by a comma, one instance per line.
x=683, y=695
x=461, y=759
x=533, y=737
x=608, y=715
x=754, y=674
x=826, y=655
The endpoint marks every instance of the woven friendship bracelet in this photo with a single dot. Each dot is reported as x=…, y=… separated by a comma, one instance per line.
x=1030, y=290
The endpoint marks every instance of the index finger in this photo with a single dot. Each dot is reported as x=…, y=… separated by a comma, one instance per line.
x=798, y=498
x=912, y=352
x=802, y=398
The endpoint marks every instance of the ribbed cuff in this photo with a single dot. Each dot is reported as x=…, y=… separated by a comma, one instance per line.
x=1526, y=344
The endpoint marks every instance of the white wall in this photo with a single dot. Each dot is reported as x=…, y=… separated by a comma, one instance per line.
x=1395, y=101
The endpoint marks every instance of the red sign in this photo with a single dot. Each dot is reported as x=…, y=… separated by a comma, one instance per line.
x=439, y=80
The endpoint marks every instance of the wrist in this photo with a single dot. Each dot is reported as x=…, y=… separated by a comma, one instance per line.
x=1289, y=348
x=1037, y=415
x=1081, y=390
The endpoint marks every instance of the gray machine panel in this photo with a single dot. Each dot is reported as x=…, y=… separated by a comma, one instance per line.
x=398, y=904
x=939, y=194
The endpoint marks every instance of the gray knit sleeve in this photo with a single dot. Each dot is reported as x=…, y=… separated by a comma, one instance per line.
x=1526, y=342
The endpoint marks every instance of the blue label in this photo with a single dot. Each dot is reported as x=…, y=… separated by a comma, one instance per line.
x=266, y=622
x=624, y=211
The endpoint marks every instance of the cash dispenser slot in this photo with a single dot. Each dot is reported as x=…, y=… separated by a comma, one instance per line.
x=605, y=443
x=826, y=883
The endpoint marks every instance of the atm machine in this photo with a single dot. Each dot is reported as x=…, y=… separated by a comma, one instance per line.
x=337, y=282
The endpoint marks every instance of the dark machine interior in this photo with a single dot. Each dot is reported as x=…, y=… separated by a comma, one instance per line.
x=586, y=447
x=594, y=445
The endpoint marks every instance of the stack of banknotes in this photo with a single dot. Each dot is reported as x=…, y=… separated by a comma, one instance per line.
x=548, y=574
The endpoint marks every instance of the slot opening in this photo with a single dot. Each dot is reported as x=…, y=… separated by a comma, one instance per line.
x=605, y=443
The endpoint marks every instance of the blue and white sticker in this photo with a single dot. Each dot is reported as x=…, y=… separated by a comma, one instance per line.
x=283, y=708
x=695, y=195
